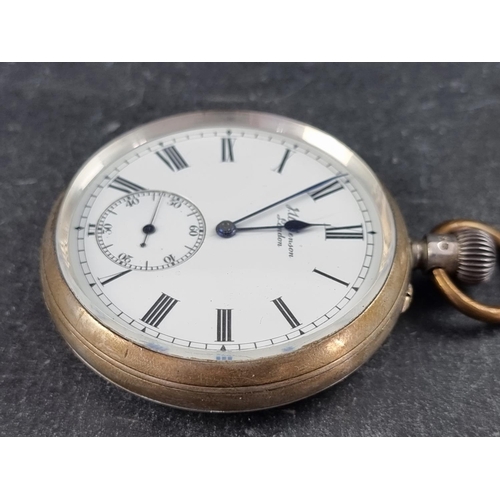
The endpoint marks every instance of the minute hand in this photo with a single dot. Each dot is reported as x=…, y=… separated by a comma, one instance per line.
x=303, y=191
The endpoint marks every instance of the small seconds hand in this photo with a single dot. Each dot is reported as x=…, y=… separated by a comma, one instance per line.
x=150, y=228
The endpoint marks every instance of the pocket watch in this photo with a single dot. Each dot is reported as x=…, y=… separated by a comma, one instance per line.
x=234, y=261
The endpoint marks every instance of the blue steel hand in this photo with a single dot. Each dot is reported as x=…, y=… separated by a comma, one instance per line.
x=227, y=228
x=292, y=225
x=303, y=191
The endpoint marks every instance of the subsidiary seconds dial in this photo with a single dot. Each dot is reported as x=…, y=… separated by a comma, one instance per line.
x=150, y=230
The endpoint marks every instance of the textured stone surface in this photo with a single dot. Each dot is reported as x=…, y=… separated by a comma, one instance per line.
x=430, y=132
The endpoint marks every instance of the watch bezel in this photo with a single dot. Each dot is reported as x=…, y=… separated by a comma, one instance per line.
x=125, y=146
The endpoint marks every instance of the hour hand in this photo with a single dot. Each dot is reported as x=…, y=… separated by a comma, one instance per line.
x=226, y=228
x=297, y=225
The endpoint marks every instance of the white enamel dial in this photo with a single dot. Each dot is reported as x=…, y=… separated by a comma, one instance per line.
x=138, y=245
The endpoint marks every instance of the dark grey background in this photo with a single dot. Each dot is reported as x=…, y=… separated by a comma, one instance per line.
x=430, y=132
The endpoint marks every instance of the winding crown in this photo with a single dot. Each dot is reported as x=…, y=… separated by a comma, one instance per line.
x=469, y=254
x=476, y=256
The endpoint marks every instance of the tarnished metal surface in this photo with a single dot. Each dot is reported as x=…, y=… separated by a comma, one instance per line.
x=228, y=386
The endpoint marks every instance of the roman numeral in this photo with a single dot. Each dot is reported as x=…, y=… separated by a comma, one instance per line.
x=344, y=233
x=113, y=277
x=125, y=186
x=224, y=325
x=91, y=230
x=172, y=158
x=283, y=309
x=160, y=309
x=323, y=191
x=283, y=161
x=227, y=149
x=321, y=273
